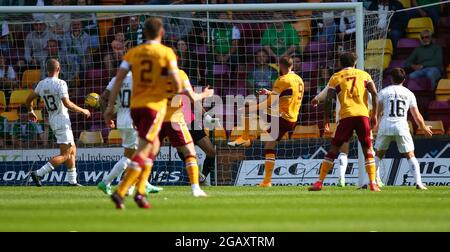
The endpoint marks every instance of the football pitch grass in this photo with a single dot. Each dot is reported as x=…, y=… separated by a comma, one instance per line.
x=228, y=209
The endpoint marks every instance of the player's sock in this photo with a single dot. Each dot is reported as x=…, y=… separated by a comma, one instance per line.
x=343, y=161
x=141, y=185
x=414, y=164
x=47, y=168
x=192, y=169
x=132, y=174
x=327, y=165
x=269, y=164
x=72, y=175
x=115, y=172
x=208, y=165
x=246, y=132
x=371, y=169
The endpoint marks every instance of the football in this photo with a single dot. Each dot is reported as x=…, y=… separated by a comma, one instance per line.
x=92, y=100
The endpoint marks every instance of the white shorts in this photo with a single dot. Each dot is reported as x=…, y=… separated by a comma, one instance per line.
x=63, y=130
x=129, y=138
x=404, y=143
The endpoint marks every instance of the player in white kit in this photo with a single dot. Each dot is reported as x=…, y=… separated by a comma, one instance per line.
x=343, y=155
x=55, y=95
x=128, y=134
x=394, y=102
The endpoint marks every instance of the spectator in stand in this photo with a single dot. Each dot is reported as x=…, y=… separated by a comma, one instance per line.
x=280, y=39
x=4, y=40
x=426, y=60
x=58, y=23
x=263, y=75
x=117, y=49
x=36, y=42
x=433, y=11
x=77, y=43
x=69, y=68
x=177, y=25
x=398, y=23
x=8, y=76
x=25, y=133
x=225, y=38
x=187, y=61
x=89, y=23
x=3, y=131
x=306, y=75
x=347, y=28
x=134, y=31
x=324, y=30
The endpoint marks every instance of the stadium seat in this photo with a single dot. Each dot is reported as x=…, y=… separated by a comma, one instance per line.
x=439, y=110
x=91, y=137
x=417, y=25
x=31, y=77
x=378, y=46
x=436, y=126
x=405, y=46
x=329, y=133
x=18, y=97
x=221, y=69
x=220, y=134
x=376, y=62
x=114, y=137
x=12, y=116
x=443, y=90
x=306, y=131
x=315, y=51
x=396, y=63
x=2, y=101
x=405, y=3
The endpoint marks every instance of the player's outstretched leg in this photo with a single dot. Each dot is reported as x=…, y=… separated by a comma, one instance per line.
x=269, y=164
x=119, y=168
x=325, y=167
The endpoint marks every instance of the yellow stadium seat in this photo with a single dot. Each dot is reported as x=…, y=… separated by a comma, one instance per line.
x=114, y=137
x=436, y=126
x=443, y=90
x=2, y=101
x=377, y=46
x=377, y=62
x=304, y=131
x=237, y=132
x=18, y=97
x=329, y=133
x=12, y=116
x=417, y=25
x=405, y=3
x=31, y=77
x=220, y=134
x=91, y=137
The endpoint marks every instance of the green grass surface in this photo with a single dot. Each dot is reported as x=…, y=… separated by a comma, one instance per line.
x=228, y=209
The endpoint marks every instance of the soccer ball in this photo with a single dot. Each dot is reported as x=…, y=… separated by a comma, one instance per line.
x=92, y=100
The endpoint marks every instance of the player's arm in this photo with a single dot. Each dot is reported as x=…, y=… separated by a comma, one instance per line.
x=320, y=97
x=104, y=100
x=120, y=76
x=263, y=104
x=194, y=97
x=331, y=93
x=418, y=118
x=29, y=104
x=373, y=91
x=73, y=107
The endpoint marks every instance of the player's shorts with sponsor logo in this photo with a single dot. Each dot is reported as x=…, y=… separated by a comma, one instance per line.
x=147, y=122
x=278, y=131
x=62, y=129
x=129, y=138
x=345, y=129
x=405, y=143
x=177, y=132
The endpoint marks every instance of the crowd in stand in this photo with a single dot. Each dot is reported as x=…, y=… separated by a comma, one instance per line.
x=236, y=58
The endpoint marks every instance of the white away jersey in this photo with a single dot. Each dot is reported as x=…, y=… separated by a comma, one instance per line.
x=124, y=120
x=396, y=100
x=52, y=90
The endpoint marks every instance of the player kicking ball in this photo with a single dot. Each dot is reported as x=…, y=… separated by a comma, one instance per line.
x=56, y=97
x=285, y=98
x=127, y=132
x=394, y=102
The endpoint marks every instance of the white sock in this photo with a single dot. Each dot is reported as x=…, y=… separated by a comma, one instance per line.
x=47, y=168
x=378, y=164
x=195, y=187
x=343, y=161
x=118, y=168
x=414, y=164
x=72, y=175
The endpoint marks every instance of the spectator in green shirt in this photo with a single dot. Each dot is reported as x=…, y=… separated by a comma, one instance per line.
x=225, y=38
x=25, y=133
x=280, y=39
x=3, y=131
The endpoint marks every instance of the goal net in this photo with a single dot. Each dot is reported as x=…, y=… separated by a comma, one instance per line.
x=235, y=52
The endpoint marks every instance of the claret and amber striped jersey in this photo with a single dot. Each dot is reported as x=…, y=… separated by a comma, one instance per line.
x=350, y=85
